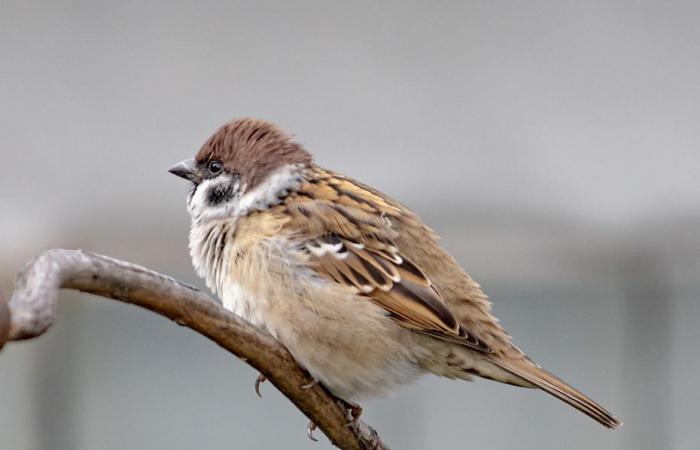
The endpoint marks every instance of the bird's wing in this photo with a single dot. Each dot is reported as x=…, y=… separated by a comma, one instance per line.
x=350, y=233
x=359, y=238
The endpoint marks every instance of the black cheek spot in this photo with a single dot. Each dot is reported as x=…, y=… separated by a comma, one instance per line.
x=220, y=193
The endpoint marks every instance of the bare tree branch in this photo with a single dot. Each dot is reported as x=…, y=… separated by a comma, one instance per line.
x=32, y=310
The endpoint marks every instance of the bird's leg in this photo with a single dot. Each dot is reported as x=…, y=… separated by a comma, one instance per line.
x=353, y=410
x=258, y=381
x=310, y=384
x=310, y=431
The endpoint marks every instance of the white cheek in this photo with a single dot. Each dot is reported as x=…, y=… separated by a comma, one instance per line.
x=266, y=194
x=199, y=207
x=198, y=198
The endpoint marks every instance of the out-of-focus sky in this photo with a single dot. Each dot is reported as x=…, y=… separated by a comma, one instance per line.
x=554, y=144
x=583, y=107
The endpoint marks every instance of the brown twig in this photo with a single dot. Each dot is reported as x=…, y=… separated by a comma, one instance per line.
x=32, y=310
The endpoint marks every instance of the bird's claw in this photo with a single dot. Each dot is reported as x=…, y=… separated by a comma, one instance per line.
x=310, y=431
x=353, y=410
x=258, y=381
x=309, y=385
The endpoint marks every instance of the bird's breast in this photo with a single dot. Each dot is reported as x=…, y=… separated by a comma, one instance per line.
x=247, y=263
x=239, y=300
x=209, y=245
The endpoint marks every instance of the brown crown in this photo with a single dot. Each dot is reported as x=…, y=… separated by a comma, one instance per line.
x=253, y=149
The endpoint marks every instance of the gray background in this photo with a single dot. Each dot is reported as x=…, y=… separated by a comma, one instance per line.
x=554, y=146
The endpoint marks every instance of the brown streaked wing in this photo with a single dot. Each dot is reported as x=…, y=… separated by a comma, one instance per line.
x=463, y=296
x=394, y=283
x=348, y=231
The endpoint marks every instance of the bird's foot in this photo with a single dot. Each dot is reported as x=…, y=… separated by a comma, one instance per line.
x=258, y=381
x=310, y=384
x=353, y=410
x=310, y=431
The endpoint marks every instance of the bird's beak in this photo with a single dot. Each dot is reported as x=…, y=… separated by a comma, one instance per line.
x=187, y=169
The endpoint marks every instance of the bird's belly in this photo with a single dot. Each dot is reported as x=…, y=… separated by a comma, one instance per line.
x=347, y=344
x=354, y=366
x=350, y=376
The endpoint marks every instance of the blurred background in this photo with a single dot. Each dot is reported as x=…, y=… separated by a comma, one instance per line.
x=554, y=146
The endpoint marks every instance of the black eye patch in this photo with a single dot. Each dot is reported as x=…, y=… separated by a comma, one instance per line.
x=221, y=193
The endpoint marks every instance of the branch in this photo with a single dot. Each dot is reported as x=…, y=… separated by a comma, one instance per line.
x=32, y=310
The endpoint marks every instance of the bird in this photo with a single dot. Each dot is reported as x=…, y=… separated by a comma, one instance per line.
x=349, y=280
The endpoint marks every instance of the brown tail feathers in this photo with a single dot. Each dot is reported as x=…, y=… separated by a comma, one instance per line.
x=544, y=380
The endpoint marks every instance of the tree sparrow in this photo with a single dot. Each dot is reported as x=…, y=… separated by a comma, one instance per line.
x=349, y=280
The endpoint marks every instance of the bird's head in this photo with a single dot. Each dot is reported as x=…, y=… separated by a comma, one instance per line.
x=247, y=165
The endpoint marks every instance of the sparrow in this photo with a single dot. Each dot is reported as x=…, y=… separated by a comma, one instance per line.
x=350, y=281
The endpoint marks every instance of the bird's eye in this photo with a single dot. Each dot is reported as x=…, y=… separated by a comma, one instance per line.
x=215, y=167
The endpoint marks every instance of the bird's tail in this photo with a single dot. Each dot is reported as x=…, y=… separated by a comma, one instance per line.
x=549, y=383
